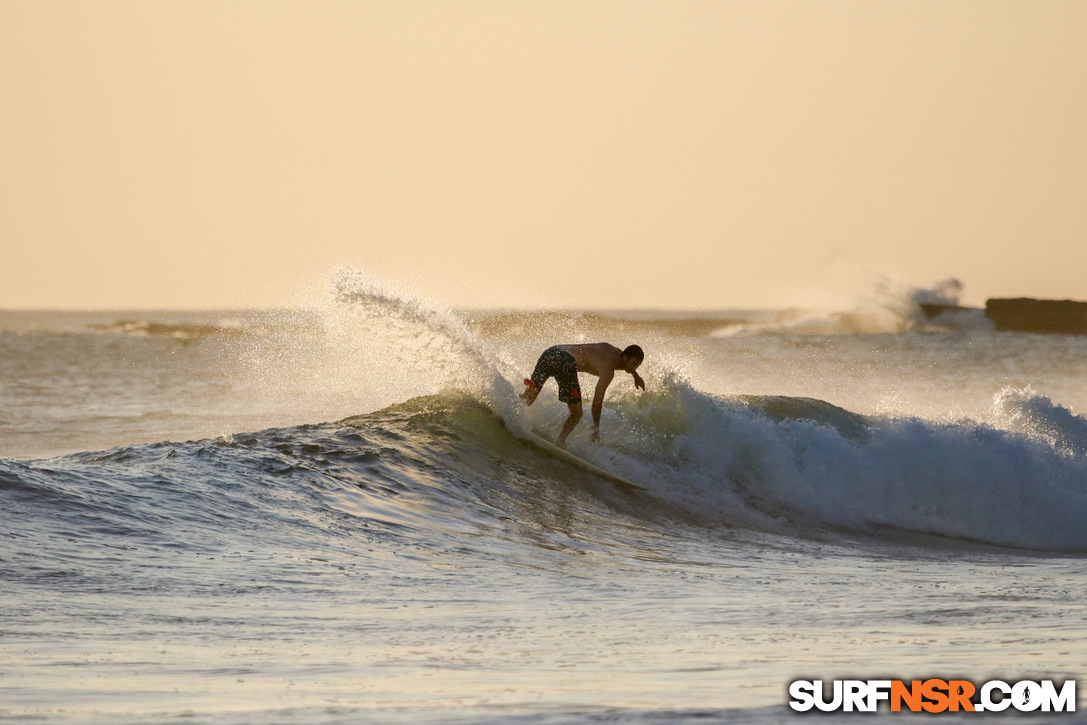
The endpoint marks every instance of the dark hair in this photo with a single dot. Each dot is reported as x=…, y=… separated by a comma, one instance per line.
x=634, y=353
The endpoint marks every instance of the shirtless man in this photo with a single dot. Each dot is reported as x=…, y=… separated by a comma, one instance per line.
x=564, y=362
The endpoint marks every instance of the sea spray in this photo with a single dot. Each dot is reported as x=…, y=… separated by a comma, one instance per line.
x=362, y=344
x=1026, y=411
x=885, y=306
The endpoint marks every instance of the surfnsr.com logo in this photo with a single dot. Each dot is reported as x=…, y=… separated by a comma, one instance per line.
x=933, y=696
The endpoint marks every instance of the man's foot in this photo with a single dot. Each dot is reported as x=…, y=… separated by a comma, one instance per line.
x=531, y=391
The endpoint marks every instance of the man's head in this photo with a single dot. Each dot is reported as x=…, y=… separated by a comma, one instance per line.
x=631, y=358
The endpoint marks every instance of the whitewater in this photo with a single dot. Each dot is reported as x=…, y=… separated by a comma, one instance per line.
x=335, y=513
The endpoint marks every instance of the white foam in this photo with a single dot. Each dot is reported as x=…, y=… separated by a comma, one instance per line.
x=1024, y=410
x=729, y=460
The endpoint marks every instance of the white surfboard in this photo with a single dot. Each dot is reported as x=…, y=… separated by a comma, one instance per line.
x=582, y=463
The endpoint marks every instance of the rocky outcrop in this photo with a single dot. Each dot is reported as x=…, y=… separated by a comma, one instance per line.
x=1024, y=314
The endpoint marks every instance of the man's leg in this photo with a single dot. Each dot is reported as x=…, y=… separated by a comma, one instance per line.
x=540, y=375
x=570, y=424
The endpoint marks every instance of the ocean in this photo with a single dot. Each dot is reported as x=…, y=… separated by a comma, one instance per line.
x=335, y=514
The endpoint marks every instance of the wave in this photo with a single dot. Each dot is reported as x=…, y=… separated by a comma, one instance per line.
x=447, y=465
x=175, y=330
x=434, y=473
x=888, y=307
x=454, y=457
x=818, y=465
x=798, y=465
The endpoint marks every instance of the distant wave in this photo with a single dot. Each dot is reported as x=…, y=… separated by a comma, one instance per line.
x=887, y=308
x=176, y=330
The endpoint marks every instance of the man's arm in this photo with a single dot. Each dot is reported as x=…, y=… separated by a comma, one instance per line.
x=598, y=402
x=638, y=382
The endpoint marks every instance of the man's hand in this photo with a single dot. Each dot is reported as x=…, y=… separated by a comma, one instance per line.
x=595, y=437
x=638, y=382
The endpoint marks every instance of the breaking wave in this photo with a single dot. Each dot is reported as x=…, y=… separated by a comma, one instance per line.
x=449, y=464
x=451, y=454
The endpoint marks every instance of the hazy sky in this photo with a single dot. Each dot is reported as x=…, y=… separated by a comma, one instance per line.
x=573, y=154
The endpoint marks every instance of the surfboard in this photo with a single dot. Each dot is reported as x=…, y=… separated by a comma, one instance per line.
x=582, y=463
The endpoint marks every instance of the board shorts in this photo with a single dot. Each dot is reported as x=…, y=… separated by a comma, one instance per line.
x=562, y=366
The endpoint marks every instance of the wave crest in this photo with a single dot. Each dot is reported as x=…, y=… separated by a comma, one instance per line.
x=781, y=463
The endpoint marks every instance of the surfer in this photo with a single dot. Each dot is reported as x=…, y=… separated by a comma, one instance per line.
x=564, y=362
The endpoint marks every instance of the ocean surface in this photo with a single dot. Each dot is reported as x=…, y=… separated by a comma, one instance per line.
x=334, y=514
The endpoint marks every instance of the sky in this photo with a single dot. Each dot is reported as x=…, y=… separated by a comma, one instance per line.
x=683, y=155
